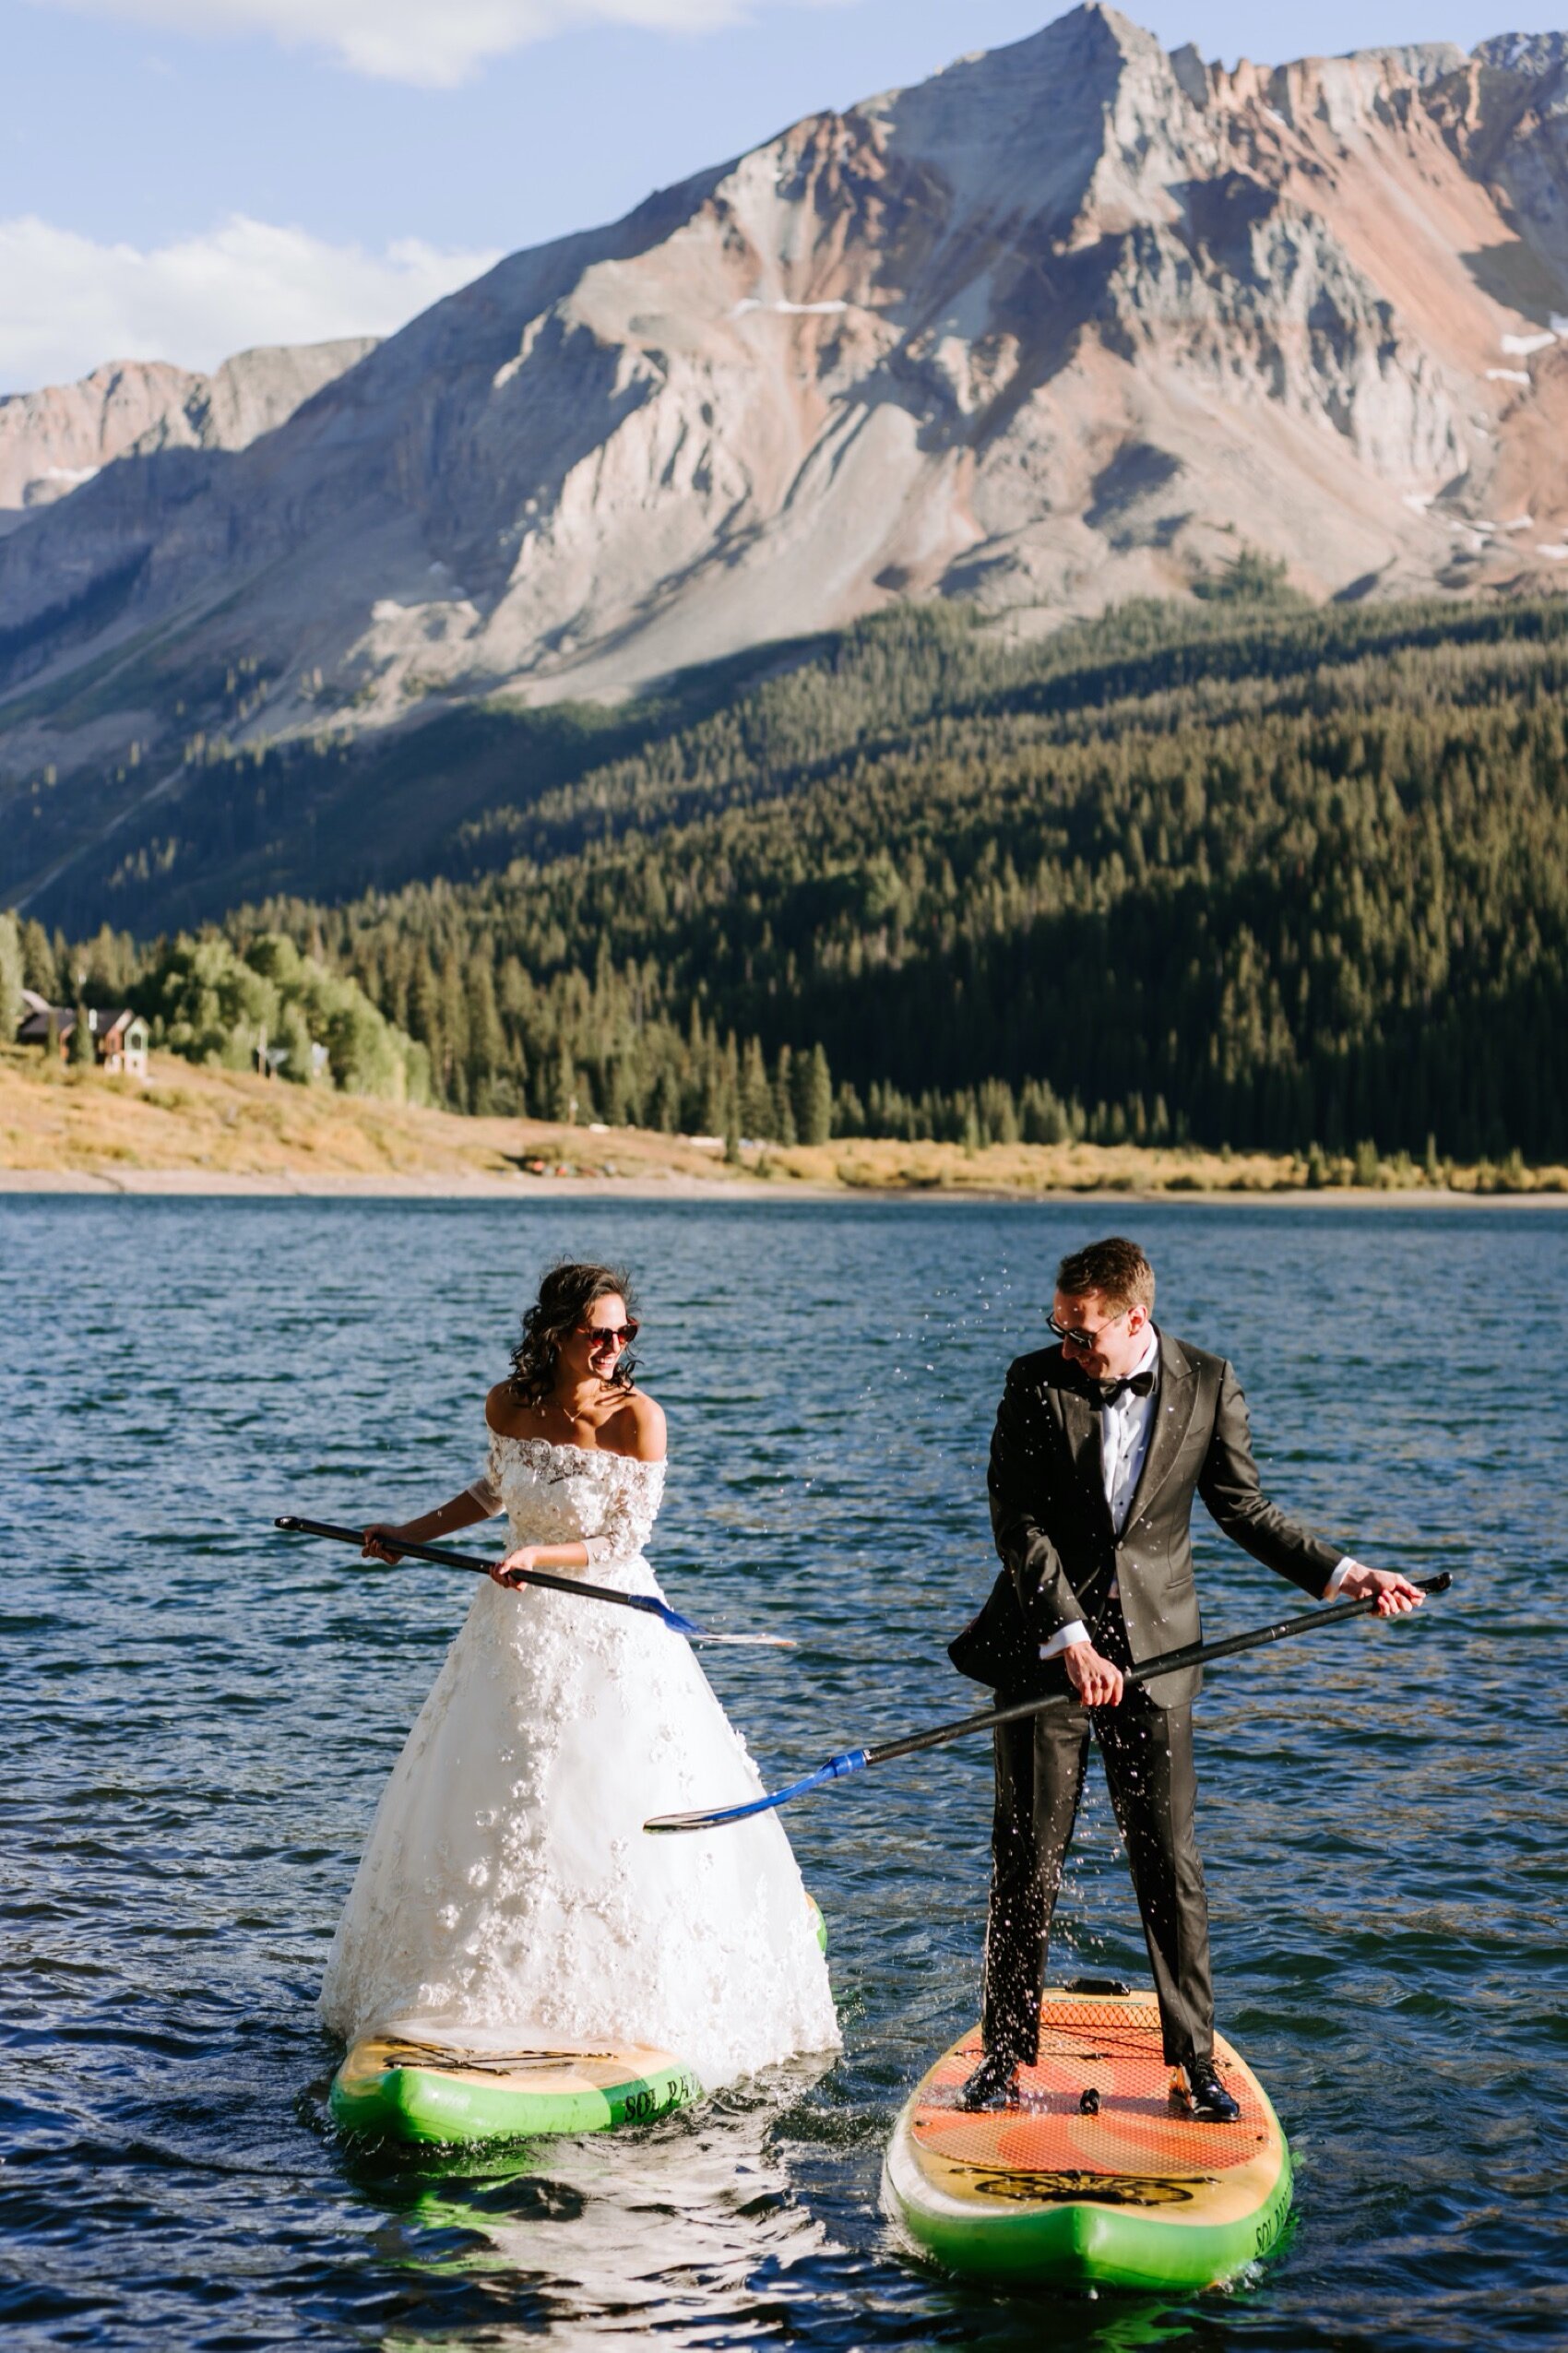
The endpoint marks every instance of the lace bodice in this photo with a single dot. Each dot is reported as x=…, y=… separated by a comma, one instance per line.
x=562, y=1494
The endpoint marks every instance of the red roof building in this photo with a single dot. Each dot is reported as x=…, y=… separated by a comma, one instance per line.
x=119, y=1038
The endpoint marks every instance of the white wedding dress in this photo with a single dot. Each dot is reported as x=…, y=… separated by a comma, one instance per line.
x=508, y=1879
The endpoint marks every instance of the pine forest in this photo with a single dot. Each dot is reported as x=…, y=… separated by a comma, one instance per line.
x=1241, y=872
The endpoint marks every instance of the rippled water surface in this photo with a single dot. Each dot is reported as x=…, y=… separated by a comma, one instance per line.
x=199, y=1714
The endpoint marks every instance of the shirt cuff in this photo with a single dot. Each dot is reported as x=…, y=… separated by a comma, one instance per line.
x=1337, y=1579
x=483, y=1493
x=1076, y=1632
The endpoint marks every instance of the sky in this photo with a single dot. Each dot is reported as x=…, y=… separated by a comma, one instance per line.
x=181, y=179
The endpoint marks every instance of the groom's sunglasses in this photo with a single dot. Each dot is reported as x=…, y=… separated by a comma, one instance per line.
x=1082, y=1339
x=622, y=1334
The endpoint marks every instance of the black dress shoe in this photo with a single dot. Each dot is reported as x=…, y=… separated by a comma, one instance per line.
x=994, y=2084
x=1199, y=2090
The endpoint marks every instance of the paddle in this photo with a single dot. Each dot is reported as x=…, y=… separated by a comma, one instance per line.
x=1169, y=1662
x=578, y=1587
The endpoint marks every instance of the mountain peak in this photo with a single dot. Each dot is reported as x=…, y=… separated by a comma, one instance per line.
x=1071, y=320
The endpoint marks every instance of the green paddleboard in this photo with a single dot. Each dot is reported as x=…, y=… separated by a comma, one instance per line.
x=407, y=2088
x=424, y=2081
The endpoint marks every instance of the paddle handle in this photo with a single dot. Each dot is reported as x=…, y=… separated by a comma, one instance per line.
x=472, y=1560
x=1170, y=1662
x=579, y=1588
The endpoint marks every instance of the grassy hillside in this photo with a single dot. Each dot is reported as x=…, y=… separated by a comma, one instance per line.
x=209, y=1127
x=230, y=1126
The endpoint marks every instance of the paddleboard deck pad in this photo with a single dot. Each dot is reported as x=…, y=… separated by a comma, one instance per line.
x=1097, y=2178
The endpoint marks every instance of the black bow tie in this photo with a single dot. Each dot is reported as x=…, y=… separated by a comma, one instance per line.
x=1106, y=1393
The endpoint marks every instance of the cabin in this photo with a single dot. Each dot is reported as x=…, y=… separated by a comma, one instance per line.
x=119, y=1038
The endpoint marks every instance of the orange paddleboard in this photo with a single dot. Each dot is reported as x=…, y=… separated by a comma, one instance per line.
x=1095, y=2177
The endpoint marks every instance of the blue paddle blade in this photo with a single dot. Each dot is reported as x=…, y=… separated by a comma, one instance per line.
x=662, y=1611
x=851, y=1761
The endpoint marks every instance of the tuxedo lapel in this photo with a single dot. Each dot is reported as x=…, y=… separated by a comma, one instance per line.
x=1173, y=1414
x=1080, y=1424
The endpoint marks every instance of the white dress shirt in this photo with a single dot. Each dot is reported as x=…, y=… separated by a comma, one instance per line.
x=1125, y=1430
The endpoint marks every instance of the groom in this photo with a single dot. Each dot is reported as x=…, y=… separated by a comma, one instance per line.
x=1100, y=1445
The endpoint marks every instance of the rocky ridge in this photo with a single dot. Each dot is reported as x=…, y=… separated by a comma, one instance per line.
x=1073, y=320
x=54, y=440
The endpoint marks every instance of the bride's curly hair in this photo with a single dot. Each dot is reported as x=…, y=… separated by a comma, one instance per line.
x=565, y=1294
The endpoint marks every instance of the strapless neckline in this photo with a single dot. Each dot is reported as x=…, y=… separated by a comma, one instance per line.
x=582, y=1453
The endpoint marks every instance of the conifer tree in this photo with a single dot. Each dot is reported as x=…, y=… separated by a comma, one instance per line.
x=564, y=1096
x=11, y=982
x=487, y=1040
x=784, y=1126
x=40, y=971
x=666, y=1104
x=756, y=1096
x=814, y=1118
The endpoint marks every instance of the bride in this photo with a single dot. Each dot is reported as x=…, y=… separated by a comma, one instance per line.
x=507, y=1877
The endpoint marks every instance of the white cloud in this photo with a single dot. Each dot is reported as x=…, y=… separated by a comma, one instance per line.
x=72, y=304
x=437, y=43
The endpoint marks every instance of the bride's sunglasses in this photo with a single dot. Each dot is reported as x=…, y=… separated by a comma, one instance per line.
x=622, y=1334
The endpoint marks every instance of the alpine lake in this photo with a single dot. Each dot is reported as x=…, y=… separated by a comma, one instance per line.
x=200, y=1711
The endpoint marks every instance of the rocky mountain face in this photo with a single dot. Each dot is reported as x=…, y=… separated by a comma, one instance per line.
x=53, y=442
x=1075, y=320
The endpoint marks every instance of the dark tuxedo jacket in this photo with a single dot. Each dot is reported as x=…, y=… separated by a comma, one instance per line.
x=1061, y=1555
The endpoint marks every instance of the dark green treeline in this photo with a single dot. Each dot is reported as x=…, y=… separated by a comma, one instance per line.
x=1259, y=875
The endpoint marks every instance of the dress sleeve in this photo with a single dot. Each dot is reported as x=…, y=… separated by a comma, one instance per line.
x=486, y=1488
x=630, y=1510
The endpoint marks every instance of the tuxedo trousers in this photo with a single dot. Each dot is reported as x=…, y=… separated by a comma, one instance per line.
x=1148, y=1755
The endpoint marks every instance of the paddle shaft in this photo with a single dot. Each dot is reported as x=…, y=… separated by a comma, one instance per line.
x=1170, y=1662
x=439, y=1553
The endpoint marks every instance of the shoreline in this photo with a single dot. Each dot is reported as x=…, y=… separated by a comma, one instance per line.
x=193, y=1131
x=283, y=1186
x=215, y=1185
